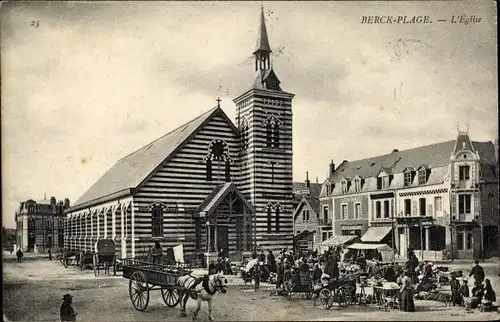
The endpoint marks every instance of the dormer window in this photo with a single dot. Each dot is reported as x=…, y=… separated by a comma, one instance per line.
x=408, y=177
x=345, y=186
x=464, y=172
x=422, y=175
x=329, y=188
x=357, y=184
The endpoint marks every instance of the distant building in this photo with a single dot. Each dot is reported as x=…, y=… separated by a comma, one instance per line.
x=40, y=223
x=309, y=227
x=415, y=198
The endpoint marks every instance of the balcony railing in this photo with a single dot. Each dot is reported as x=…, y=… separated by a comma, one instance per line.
x=325, y=222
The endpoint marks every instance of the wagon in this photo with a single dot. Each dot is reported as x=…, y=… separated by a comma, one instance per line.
x=145, y=277
x=340, y=291
x=295, y=285
x=104, y=256
x=86, y=260
x=69, y=257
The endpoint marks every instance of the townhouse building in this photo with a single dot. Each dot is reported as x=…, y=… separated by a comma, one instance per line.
x=440, y=200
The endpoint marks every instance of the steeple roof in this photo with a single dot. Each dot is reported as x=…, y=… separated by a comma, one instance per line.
x=262, y=39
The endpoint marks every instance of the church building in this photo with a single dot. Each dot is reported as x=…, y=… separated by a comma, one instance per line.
x=209, y=185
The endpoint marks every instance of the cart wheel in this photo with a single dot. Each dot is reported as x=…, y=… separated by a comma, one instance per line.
x=171, y=296
x=139, y=291
x=342, y=297
x=324, y=298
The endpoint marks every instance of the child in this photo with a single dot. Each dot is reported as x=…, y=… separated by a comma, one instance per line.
x=464, y=290
x=67, y=312
x=456, y=297
x=257, y=275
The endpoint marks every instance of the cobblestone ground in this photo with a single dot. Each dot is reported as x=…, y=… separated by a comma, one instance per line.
x=33, y=290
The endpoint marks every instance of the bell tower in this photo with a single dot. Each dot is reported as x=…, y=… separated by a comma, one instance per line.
x=264, y=117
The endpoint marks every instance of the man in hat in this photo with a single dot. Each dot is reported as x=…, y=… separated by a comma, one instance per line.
x=67, y=312
x=478, y=272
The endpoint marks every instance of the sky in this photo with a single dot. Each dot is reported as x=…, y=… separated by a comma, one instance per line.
x=84, y=84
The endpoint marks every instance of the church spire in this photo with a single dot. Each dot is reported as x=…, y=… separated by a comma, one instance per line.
x=263, y=49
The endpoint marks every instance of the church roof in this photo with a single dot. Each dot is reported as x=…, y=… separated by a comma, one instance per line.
x=262, y=39
x=129, y=172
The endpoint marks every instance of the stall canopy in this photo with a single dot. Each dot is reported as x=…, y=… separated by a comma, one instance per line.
x=338, y=240
x=375, y=234
x=385, y=250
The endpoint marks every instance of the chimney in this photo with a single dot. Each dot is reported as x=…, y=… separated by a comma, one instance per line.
x=317, y=180
x=308, y=183
x=395, y=150
x=66, y=203
x=52, y=200
x=332, y=168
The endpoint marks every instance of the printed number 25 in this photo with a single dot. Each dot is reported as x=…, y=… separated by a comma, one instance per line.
x=35, y=23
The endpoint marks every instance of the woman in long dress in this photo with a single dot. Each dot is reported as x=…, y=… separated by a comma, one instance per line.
x=406, y=302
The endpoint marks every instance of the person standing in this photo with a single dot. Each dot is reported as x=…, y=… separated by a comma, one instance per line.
x=50, y=255
x=464, y=289
x=478, y=272
x=456, y=298
x=271, y=261
x=406, y=301
x=19, y=255
x=67, y=313
x=212, y=268
x=280, y=274
x=156, y=253
x=257, y=275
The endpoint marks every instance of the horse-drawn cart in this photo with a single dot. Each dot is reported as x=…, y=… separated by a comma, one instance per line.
x=296, y=285
x=69, y=258
x=145, y=277
x=104, y=256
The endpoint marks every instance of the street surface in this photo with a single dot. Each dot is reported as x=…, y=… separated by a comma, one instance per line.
x=33, y=290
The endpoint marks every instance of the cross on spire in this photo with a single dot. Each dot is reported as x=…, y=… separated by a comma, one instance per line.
x=218, y=101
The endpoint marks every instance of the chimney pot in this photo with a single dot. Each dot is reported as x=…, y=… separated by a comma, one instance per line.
x=395, y=150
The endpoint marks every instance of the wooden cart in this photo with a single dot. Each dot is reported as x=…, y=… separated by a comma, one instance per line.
x=104, y=256
x=146, y=276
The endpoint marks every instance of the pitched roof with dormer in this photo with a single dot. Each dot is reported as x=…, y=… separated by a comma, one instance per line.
x=433, y=156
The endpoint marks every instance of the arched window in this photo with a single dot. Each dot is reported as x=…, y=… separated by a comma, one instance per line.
x=244, y=135
x=276, y=135
x=269, y=219
x=209, y=169
x=278, y=219
x=157, y=221
x=269, y=135
x=228, y=170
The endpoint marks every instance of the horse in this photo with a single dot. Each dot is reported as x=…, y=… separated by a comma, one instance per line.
x=201, y=289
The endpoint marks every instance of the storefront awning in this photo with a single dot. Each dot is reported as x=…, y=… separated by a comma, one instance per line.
x=379, y=247
x=338, y=240
x=375, y=234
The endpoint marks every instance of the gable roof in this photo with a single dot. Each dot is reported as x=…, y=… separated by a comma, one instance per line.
x=129, y=172
x=213, y=200
x=299, y=189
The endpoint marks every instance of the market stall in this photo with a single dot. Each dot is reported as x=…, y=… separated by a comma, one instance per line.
x=381, y=251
